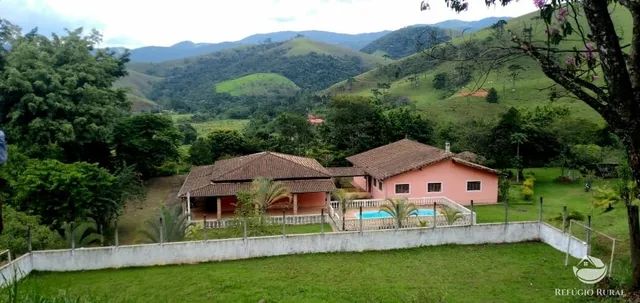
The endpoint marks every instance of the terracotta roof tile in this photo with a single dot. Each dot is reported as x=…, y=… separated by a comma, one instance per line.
x=401, y=156
x=220, y=177
x=294, y=186
x=346, y=171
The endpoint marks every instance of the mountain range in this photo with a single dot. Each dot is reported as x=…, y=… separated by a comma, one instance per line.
x=187, y=49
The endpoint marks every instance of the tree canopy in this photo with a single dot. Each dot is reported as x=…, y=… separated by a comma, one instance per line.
x=56, y=95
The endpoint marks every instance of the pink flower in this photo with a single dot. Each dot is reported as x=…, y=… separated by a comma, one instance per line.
x=570, y=61
x=539, y=3
x=590, y=51
x=561, y=16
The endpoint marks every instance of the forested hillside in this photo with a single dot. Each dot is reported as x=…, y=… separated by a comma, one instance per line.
x=450, y=82
x=407, y=41
x=310, y=65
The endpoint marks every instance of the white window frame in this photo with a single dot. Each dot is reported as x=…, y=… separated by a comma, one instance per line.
x=434, y=182
x=395, y=188
x=466, y=186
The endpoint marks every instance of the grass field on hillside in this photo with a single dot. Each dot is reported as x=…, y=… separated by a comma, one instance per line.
x=481, y=273
x=259, y=84
x=204, y=128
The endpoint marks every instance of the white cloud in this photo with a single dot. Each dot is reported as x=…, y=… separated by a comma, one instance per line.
x=134, y=23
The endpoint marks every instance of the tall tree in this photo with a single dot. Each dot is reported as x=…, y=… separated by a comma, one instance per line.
x=221, y=143
x=576, y=66
x=146, y=141
x=57, y=97
x=353, y=124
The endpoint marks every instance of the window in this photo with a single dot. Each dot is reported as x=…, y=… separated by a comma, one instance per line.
x=375, y=182
x=435, y=187
x=473, y=185
x=380, y=185
x=402, y=188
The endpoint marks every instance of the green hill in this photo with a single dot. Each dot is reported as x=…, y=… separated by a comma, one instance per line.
x=138, y=86
x=406, y=41
x=259, y=84
x=412, y=78
x=308, y=64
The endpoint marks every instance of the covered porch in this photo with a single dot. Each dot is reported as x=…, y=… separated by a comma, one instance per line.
x=201, y=208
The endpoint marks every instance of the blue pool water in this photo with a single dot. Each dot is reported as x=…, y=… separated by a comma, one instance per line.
x=376, y=214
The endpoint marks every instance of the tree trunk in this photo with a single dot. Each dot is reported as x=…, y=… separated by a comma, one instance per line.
x=634, y=244
x=633, y=151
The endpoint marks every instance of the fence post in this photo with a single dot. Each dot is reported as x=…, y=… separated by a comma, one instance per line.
x=506, y=212
x=588, y=234
x=73, y=236
x=360, y=219
x=204, y=227
x=161, y=231
x=322, y=221
x=283, y=222
x=244, y=229
x=472, y=213
x=101, y=231
x=564, y=219
x=29, y=238
x=540, y=211
x=435, y=217
x=116, y=232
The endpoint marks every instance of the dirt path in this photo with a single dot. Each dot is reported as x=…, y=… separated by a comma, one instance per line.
x=160, y=191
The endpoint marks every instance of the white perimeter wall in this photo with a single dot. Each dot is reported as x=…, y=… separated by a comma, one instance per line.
x=234, y=249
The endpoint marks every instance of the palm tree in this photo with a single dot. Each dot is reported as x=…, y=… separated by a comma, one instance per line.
x=451, y=214
x=265, y=192
x=81, y=234
x=344, y=199
x=400, y=209
x=171, y=226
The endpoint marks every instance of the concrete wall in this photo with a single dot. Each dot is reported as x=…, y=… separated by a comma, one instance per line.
x=558, y=240
x=233, y=249
x=16, y=270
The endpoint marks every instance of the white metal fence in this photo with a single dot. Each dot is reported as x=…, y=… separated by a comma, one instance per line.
x=288, y=220
x=465, y=217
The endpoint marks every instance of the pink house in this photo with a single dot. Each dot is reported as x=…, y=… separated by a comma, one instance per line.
x=411, y=169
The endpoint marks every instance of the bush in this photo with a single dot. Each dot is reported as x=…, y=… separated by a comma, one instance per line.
x=492, y=96
x=527, y=188
x=527, y=193
x=15, y=234
x=504, y=185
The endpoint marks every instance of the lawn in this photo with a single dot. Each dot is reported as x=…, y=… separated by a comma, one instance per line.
x=483, y=273
x=557, y=195
x=206, y=127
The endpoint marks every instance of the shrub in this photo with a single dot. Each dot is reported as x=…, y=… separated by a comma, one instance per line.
x=527, y=193
x=492, y=96
x=15, y=234
x=527, y=188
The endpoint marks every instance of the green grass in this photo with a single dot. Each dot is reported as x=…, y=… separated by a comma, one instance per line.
x=204, y=128
x=303, y=46
x=482, y=273
x=259, y=84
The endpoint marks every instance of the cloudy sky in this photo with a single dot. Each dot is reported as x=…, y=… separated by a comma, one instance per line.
x=134, y=23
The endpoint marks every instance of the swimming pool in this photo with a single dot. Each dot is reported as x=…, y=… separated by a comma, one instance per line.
x=377, y=214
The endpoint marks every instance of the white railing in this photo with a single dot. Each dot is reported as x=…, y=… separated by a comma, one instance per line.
x=288, y=220
x=423, y=201
x=390, y=223
x=465, y=217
